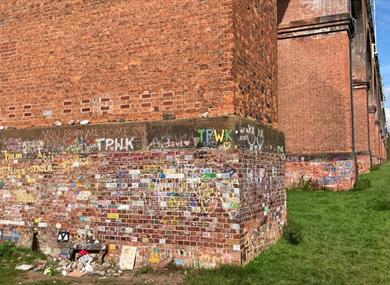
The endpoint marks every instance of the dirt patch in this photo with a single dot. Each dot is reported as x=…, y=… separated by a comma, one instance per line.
x=155, y=277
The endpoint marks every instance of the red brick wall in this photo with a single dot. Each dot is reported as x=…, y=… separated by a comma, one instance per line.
x=136, y=60
x=112, y=59
x=363, y=163
x=199, y=193
x=360, y=100
x=315, y=106
x=360, y=55
x=295, y=10
x=374, y=138
x=335, y=173
x=255, y=54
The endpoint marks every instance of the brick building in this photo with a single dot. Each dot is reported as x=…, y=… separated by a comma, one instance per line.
x=180, y=160
x=329, y=90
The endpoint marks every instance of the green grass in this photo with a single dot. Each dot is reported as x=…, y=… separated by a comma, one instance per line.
x=10, y=256
x=346, y=241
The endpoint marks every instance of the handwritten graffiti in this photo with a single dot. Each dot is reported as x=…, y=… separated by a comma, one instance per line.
x=11, y=155
x=123, y=183
x=208, y=135
x=254, y=137
x=169, y=142
x=121, y=144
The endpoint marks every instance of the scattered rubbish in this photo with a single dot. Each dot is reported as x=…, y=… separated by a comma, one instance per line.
x=24, y=267
x=76, y=274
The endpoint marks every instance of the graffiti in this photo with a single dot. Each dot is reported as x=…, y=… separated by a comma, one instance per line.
x=120, y=138
x=63, y=236
x=170, y=142
x=212, y=137
x=122, y=144
x=32, y=146
x=336, y=174
x=254, y=137
x=132, y=185
x=280, y=149
x=15, y=235
x=11, y=144
x=24, y=197
x=11, y=156
x=12, y=223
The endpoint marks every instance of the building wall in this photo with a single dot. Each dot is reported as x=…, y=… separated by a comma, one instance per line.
x=197, y=193
x=361, y=129
x=191, y=185
x=315, y=105
x=105, y=60
x=335, y=172
x=297, y=10
x=255, y=55
x=135, y=61
x=373, y=138
x=315, y=92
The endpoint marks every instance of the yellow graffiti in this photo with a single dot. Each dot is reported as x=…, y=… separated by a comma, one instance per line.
x=114, y=216
x=176, y=202
x=152, y=168
x=24, y=197
x=40, y=168
x=227, y=145
x=155, y=256
x=12, y=155
x=219, y=137
x=43, y=156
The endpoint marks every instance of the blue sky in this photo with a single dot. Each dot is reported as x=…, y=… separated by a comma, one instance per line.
x=383, y=29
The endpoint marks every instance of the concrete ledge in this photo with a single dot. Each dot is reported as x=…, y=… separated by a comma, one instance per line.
x=225, y=132
x=319, y=25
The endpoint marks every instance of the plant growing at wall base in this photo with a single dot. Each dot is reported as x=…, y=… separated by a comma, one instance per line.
x=7, y=248
x=362, y=184
x=293, y=233
x=308, y=185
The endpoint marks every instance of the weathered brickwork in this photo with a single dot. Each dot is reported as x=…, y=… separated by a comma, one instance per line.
x=105, y=60
x=199, y=193
x=361, y=128
x=336, y=173
x=298, y=10
x=111, y=60
x=329, y=80
x=255, y=53
x=311, y=113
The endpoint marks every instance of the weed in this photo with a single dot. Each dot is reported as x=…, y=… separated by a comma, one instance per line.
x=144, y=270
x=293, y=233
x=375, y=167
x=362, y=184
x=7, y=249
x=308, y=185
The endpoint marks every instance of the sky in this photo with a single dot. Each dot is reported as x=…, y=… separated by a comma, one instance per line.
x=383, y=30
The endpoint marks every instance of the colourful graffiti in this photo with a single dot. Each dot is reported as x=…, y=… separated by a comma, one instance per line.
x=143, y=187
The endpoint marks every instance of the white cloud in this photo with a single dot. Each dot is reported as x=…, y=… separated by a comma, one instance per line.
x=386, y=92
x=387, y=111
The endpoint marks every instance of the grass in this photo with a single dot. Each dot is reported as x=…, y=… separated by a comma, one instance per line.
x=346, y=241
x=10, y=256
